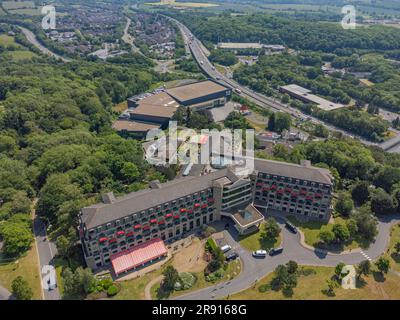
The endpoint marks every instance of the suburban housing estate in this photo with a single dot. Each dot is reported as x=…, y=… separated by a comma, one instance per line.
x=129, y=232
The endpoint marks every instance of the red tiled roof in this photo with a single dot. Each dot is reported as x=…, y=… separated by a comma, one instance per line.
x=136, y=256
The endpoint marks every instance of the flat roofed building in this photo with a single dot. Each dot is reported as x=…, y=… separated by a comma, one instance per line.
x=250, y=45
x=240, y=45
x=247, y=220
x=306, y=95
x=201, y=95
x=157, y=108
x=134, y=127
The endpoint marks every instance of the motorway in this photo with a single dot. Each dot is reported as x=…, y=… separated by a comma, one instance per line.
x=33, y=40
x=254, y=269
x=198, y=52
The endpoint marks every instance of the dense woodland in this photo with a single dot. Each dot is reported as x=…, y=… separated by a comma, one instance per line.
x=56, y=141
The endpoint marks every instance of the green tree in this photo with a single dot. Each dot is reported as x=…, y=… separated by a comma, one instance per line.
x=292, y=266
x=366, y=222
x=382, y=202
x=386, y=177
x=364, y=268
x=17, y=237
x=63, y=246
x=271, y=228
x=360, y=192
x=326, y=236
x=171, y=276
x=57, y=190
x=283, y=121
x=338, y=270
x=344, y=204
x=397, y=247
x=21, y=289
x=78, y=283
x=341, y=232
x=280, y=151
x=271, y=122
x=130, y=172
x=331, y=287
x=383, y=265
x=321, y=131
x=351, y=225
x=20, y=203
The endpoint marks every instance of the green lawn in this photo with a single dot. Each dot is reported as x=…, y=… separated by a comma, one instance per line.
x=311, y=230
x=134, y=289
x=233, y=270
x=18, y=55
x=255, y=241
x=310, y=288
x=26, y=266
x=21, y=53
x=393, y=257
x=17, y=4
x=6, y=40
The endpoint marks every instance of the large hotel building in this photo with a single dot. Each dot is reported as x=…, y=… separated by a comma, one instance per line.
x=129, y=231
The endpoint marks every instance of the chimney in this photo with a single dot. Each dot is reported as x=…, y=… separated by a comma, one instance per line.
x=155, y=184
x=108, y=197
x=305, y=163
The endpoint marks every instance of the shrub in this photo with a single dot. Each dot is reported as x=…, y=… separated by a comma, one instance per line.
x=106, y=283
x=112, y=290
x=187, y=280
x=211, y=244
x=306, y=272
x=264, y=288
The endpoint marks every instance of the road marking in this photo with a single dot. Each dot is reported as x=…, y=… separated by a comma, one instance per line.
x=366, y=256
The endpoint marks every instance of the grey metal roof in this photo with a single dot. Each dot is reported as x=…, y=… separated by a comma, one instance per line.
x=295, y=171
x=102, y=213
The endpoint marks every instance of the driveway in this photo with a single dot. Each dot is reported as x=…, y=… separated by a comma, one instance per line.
x=255, y=269
x=5, y=294
x=46, y=252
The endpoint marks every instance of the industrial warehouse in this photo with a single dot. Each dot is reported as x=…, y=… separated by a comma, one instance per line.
x=306, y=95
x=129, y=232
x=154, y=110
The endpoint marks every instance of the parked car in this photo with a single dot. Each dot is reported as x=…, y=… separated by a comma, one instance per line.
x=259, y=254
x=232, y=256
x=226, y=248
x=275, y=251
x=291, y=227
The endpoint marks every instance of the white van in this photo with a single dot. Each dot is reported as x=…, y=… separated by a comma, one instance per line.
x=259, y=254
x=226, y=248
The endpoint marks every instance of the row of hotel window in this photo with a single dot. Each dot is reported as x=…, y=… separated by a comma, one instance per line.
x=145, y=216
x=139, y=229
x=293, y=180
x=169, y=236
